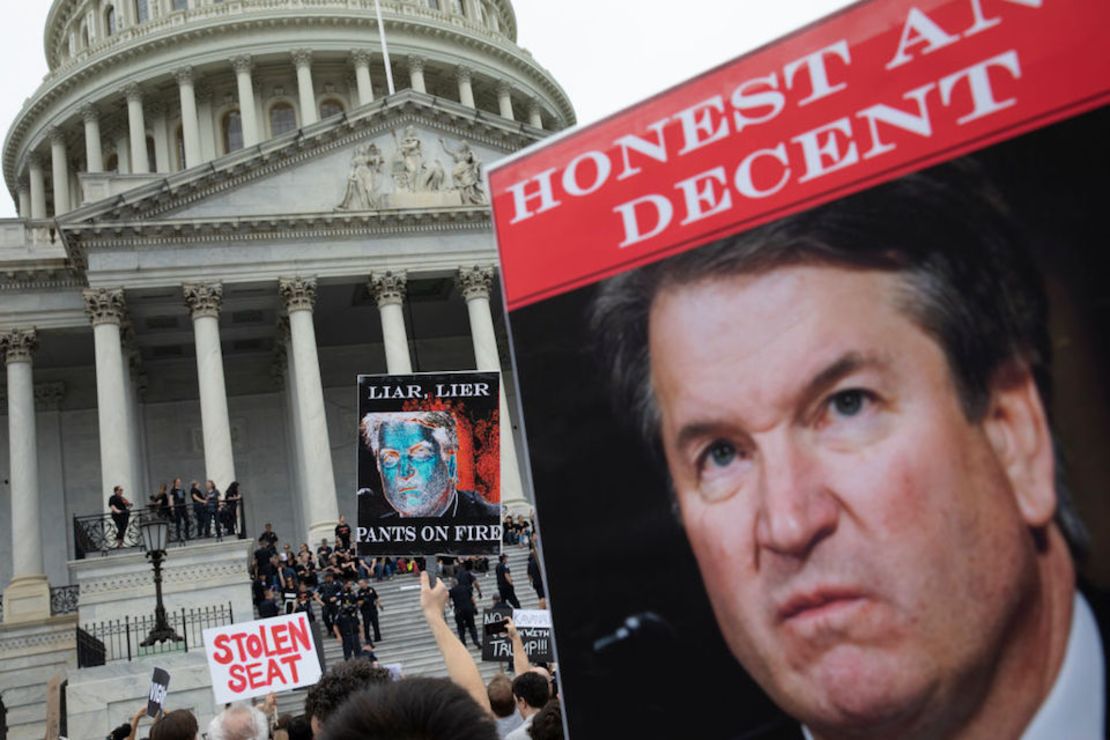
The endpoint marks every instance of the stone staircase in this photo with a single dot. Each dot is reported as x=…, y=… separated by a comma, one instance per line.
x=405, y=636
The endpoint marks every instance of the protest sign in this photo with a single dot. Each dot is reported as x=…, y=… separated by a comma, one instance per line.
x=429, y=464
x=698, y=329
x=254, y=658
x=156, y=698
x=534, y=626
x=496, y=647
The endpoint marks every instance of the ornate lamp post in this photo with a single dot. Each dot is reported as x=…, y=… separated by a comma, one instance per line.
x=155, y=533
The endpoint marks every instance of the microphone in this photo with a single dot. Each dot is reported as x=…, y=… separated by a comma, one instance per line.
x=638, y=626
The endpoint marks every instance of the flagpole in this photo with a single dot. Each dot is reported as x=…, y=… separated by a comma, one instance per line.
x=385, y=49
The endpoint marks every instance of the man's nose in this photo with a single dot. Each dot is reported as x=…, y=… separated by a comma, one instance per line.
x=407, y=468
x=797, y=508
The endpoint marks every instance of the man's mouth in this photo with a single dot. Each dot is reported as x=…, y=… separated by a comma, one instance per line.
x=819, y=602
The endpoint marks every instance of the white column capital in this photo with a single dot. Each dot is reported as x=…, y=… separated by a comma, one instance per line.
x=56, y=135
x=360, y=57
x=298, y=293
x=476, y=281
x=504, y=87
x=104, y=305
x=89, y=113
x=34, y=160
x=132, y=92
x=183, y=75
x=463, y=73
x=416, y=63
x=388, y=287
x=242, y=64
x=18, y=345
x=203, y=299
x=302, y=58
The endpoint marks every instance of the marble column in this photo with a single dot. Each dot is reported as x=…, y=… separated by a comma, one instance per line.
x=106, y=309
x=190, y=125
x=38, y=185
x=476, y=283
x=299, y=295
x=123, y=149
x=505, y=99
x=130, y=362
x=534, y=118
x=466, y=92
x=243, y=67
x=283, y=351
x=302, y=60
x=361, y=59
x=27, y=597
x=204, y=300
x=136, y=130
x=416, y=73
x=388, y=288
x=94, y=152
x=207, y=122
x=24, y=200
x=59, y=171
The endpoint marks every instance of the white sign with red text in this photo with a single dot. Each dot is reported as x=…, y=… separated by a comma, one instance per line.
x=254, y=658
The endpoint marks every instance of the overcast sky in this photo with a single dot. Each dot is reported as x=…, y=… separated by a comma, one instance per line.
x=607, y=54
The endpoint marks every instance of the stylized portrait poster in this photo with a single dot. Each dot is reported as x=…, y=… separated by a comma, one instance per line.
x=819, y=341
x=429, y=464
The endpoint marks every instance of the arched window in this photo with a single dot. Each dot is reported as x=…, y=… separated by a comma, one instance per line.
x=232, y=127
x=330, y=107
x=142, y=11
x=109, y=23
x=180, y=5
x=282, y=118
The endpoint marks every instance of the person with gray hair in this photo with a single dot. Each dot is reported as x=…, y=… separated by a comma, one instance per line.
x=239, y=722
x=416, y=456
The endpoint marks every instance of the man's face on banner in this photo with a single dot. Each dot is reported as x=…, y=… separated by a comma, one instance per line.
x=865, y=547
x=416, y=478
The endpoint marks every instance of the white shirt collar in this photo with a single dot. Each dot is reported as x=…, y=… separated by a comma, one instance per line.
x=1075, y=707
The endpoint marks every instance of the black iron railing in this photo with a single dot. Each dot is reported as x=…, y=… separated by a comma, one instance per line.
x=119, y=639
x=104, y=532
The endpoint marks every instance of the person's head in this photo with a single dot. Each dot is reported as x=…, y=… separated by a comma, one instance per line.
x=232, y=488
x=162, y=488
x=851, y=407
x=268, y=527
x=548, y=722
x=411, y=709
x=502, y=558
x=117, y=490
x=500, y=692
x=180, y=724
x=531, y=692
x=342, y=519
x=299, y=728
x=209, y=485
x=415, y=454
x=336, y=686
x=177, y=483
x=239, y=722
x=324, y=542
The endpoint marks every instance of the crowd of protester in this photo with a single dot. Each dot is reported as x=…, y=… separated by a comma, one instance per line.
x=357, y=699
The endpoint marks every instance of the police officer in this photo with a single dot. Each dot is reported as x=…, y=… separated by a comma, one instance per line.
x=346, y=629
x=330, y=594
x=369, y=604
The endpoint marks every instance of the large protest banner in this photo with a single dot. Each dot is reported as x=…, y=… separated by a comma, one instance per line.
x=254, y=658
x=736, y=309
x=429, y=464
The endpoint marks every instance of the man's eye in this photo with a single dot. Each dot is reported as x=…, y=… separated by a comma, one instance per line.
x=849, y=402
x=422, y=453
x=389, y=459
x=720, y=454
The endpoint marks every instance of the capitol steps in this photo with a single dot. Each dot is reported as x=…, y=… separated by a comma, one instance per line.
x=405, y=636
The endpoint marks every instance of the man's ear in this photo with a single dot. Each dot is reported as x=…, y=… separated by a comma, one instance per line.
x=1017, y=427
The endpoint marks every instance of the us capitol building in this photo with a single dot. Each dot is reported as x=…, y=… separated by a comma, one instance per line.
x=224, y=217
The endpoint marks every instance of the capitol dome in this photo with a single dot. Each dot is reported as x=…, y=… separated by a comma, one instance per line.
x=156, y=86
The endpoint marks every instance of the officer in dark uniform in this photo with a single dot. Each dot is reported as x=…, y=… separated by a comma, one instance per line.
x=346, y=629
x=369, y=604
x=463, y=600
x=330, y=594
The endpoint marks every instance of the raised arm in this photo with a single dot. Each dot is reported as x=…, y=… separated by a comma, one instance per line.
x=460, y=664
x=521, y=664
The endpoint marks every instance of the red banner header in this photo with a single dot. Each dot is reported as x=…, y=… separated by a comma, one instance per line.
x=871, y=93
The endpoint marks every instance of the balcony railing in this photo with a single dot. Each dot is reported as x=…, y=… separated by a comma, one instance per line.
x=102, y=532
x=120, y=639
